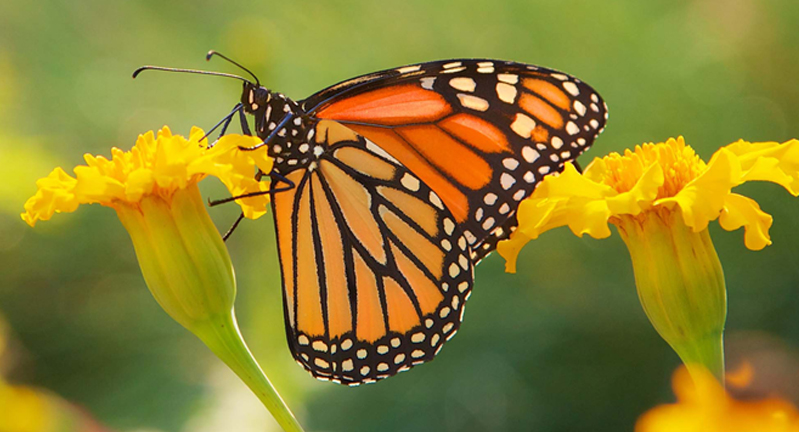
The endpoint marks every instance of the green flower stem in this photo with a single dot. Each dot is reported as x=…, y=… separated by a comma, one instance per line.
x=681, y=286
x=222, y=336
x=188, y=270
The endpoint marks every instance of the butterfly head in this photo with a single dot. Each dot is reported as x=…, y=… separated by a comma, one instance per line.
x=255, y=98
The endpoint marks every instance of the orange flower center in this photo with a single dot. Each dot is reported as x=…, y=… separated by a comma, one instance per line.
x=679, y=162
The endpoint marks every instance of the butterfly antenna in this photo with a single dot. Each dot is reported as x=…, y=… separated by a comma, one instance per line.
x=193, y=71
x=215, y=53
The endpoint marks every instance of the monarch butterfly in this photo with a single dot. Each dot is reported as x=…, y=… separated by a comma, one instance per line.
x=399, y=183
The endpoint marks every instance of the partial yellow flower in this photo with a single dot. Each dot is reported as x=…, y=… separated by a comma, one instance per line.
x=183, y=259
x=155, y=166
x=703, y=406
x=664, y=175
x=661, y=198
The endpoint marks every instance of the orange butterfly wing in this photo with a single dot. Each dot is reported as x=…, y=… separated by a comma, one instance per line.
x=480, y=133
x=375, y=268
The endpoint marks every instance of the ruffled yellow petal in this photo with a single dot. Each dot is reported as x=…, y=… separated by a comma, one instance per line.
x=156, y=165
x=740, y=211
x=769, y=161
x=702, y=199
x=55, y=194
x=570, y=200
x=509, y=250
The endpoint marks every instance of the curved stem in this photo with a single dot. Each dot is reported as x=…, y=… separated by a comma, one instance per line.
x=221, y=334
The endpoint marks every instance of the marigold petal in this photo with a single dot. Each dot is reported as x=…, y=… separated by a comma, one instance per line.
x=570, y=183
x=702, y=199
x=510, y=248
x=55, y=194
x=641, y=196
x=567, y=199
x=769, y=161
x=536, y=216
x=234, y=167
x=740, y=211
x=94, y=187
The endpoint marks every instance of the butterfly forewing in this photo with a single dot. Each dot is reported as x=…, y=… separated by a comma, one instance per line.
x=480, y=133
x=375, y=268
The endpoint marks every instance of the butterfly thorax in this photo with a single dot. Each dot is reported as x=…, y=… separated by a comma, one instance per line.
x=292, y=145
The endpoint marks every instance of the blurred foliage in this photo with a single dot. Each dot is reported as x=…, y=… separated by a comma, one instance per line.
x=563, y=345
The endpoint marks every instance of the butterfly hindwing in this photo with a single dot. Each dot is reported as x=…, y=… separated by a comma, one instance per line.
x=480, y=133
x=376, y=270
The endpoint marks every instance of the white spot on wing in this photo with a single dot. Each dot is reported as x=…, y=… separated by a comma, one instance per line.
x=409, y=69
x=410, y=182
x=463, y=84
x=506, y=92
x=579, y=107
x=523, y=125
x=508, y=78
x=449, y=226
x=473, y=102
x=510, y=163
x=507, y=181
x=571, y=88
x=530, y=154
x=572, y=128
x=436, y=201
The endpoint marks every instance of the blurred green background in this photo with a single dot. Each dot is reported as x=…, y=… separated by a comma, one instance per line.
x=562, y=345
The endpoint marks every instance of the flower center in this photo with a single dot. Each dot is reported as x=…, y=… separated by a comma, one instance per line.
x=679, y=162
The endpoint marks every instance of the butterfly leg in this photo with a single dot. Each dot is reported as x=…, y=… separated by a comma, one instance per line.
x=577, y=166
x=245, y=127
x=225, y=122
x=277, y=177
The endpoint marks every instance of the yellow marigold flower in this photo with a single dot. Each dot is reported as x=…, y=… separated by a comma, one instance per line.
x=703, y=406
x=155, y=166
x=661, y=198
x=185, y=263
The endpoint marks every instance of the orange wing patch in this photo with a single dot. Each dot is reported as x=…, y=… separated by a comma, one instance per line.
x=426, y=251
x=476, y=132
x=389, y=141
x=390, y=106
x=540, y=134
x=371, y=324
x=284, y=203
x=365, y=163
x=541, y=110
x=354, y=201
x=426, y=291
x=418, y=210
x=548, y=91
x=339, y=315
x=309, y=304
x=402, y=315
x=448, y=155
x=334, y=132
